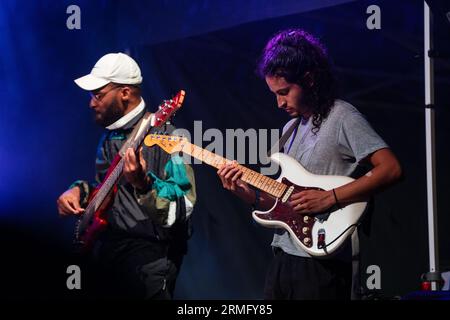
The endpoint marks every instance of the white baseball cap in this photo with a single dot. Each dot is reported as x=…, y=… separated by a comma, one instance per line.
x=112, y=67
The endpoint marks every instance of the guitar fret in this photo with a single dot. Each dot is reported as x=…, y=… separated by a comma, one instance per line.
x=251, y=176
x=263, y=182
x=260, y=181
x=205, y=156
x=273, y=187
x=255, y=177
x=198, y=154
x=218, y=161
x=246, y=174
x=108, y=184
x=278, y=188
x=209, y=157
x=269, y=186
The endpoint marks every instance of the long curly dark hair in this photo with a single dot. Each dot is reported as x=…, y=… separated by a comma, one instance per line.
x=300, y=58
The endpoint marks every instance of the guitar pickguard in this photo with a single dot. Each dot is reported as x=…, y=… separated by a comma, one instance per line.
x=301, y=225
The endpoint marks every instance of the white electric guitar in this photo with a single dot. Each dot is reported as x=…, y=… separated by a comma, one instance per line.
x=319, y=235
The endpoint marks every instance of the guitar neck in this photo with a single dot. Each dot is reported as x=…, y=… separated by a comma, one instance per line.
x=108, y=183
x=249, y=176
x=137, y=137
x=117, y=164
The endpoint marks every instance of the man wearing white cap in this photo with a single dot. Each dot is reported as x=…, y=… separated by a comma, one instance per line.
x=148, y=223
x=114, y=71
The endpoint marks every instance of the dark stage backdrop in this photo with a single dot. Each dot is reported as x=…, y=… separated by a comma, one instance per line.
x=49, y=138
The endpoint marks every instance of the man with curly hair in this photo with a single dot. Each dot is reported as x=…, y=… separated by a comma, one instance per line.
x=331, y=138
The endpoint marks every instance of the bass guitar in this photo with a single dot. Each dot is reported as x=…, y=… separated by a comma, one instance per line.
x=93, y=220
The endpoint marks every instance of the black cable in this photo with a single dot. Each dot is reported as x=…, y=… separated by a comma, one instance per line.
x=352, y=225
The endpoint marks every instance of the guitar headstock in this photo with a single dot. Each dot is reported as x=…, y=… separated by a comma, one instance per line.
x=169, y=144
x=168, y=108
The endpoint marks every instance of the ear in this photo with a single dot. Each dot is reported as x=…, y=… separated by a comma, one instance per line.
x=125, y=93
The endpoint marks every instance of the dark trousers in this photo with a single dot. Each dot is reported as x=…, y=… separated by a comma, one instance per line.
x=297, y=278
x=133, y=268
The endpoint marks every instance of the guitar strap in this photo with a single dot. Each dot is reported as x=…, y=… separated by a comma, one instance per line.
x=276, y=147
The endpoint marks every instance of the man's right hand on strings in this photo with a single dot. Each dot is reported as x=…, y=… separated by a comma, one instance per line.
x=69, y=202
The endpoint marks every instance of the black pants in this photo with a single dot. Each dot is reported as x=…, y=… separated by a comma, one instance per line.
x=133, y=268
x=297, y=278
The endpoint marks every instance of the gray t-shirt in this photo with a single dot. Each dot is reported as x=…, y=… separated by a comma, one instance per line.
x=344, y=139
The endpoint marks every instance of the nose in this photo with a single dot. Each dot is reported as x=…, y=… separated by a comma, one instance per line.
x=281, y=101
x=92, y=103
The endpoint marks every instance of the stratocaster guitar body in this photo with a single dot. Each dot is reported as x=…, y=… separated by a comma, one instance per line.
x=318, y=235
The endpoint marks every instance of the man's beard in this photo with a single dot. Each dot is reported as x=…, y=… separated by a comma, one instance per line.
x=111, y=115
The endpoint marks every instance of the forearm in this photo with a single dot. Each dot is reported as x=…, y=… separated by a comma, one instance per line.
x=380, y=177
x=85, y=190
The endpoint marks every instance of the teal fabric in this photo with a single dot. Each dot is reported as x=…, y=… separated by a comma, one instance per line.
x=176, y=183
x=117, y=136
x=77, y=183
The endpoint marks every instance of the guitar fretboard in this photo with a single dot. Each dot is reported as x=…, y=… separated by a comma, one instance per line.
x=108, y=184
x=252, y=177
x=115, y=174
